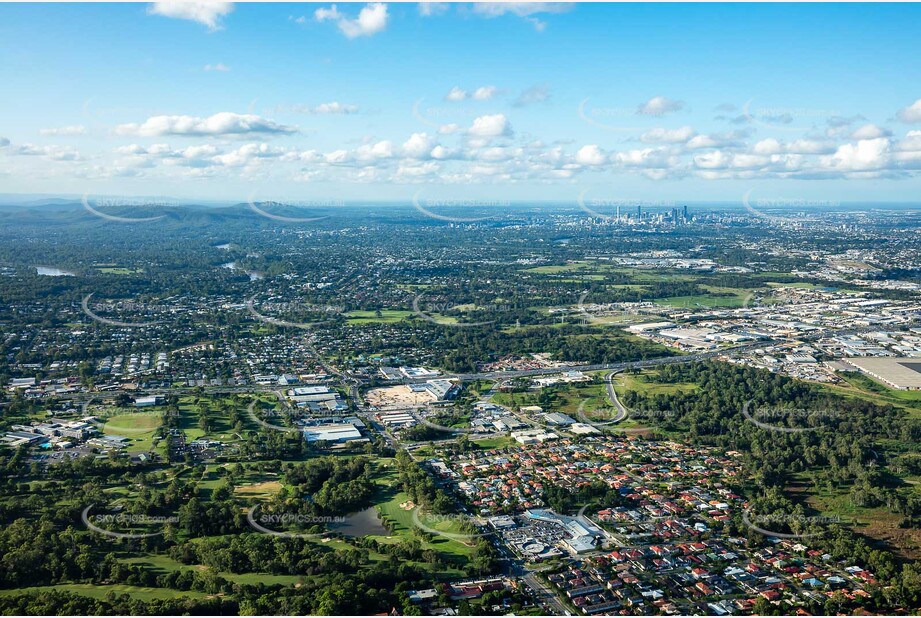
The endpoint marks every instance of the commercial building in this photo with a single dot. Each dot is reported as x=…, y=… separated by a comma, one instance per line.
x=338, y=433
x=899, y=373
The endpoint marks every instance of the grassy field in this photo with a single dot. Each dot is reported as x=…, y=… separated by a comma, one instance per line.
x=371, y=317
x=876, y=523
x=706, y=300
x=100, y=591
x=645, y=383
x=860, y=386
x=139, y=427
x=160, y=563
x=494, y=443
x=117, y=270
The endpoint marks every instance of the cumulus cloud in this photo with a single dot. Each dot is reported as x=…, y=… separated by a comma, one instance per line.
x=55, y=153
x=669, y=136
x=456, y=94
x=866, y=154
x=331, y=108
x=483, y=93
x=870, y=131
x=222, y=123
x=525, y=10
x=659, y=106
x=496, y=125
x=77, y=129
x=910, y=114
x=372, y=18
x=419, y=146
x=210, y=14
x=428, y=9
x=521, y=9
x=534, y=94
x=772, y=146
x=591, y=155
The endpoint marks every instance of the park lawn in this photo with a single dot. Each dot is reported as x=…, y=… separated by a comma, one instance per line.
x=499, y=442
x=119, y=270
x=878, y=523
x=862, y=387
x=404, y=528
x=258, y=491
x=222, y=428
x=645, y=384
x=595, y=396
x=94, y=591
x=371, y=317
x=560, y=268
x=703, y=300
x=388, y=506
x=161, y=564
x=516, y=400
x=139, y=427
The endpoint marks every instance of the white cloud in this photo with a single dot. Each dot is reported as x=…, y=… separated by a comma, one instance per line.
x=374, y=152
x=332, y=14
x=645, y=157
x=428, y=9
x=220, y=67
x=208, y=13
x=333, y=107
x=659, y=106
x=912, y=113
x=771, y=146
x=521, y=9
x=485, y=93
x=456, y=94
x=4, y=142
x=77, y=129
x=669, y=136
x=222, y=123
x=716, y=140
x=338, y=157
x=372, y=18
x=55, y=153
x=870, y=131
x=866, y=154
x=591, y=155
x=496, y=125
x=419, y=146
x=534, y=94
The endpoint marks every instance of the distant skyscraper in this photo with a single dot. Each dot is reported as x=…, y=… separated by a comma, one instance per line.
x=639, y=212
x=685, y=212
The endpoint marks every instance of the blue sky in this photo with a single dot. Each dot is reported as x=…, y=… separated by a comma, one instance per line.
x=513, y=102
